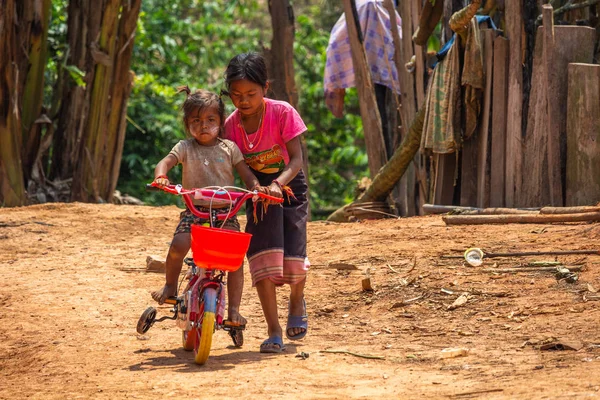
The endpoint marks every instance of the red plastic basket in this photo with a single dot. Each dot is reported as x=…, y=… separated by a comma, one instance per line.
x=214, y=248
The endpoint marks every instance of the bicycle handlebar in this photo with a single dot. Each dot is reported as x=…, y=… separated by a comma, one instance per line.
x=235, y=198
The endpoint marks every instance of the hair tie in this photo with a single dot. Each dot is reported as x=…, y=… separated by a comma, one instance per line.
x=184, y=88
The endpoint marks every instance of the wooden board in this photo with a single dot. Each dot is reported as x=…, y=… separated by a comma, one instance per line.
x=483, y=145
x=583, y=135
x=499, y=104
x=514, y=27
x=534, y=186
x=445, y=170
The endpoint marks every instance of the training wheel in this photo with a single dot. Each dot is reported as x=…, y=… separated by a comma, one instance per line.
x=146, y=320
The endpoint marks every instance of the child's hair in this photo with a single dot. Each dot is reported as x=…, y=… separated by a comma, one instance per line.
x=250, y=66
x=199, y=100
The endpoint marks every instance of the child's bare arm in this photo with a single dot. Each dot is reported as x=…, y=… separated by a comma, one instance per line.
x=164, y=166
x=294, y=148
x=246, y=174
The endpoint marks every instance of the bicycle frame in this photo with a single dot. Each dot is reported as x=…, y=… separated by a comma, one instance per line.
x=205, y=285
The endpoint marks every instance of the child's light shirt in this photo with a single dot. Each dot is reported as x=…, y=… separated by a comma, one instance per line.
x=265, y=150
x=207, y=165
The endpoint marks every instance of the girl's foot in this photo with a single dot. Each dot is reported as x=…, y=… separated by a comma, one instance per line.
x=297, y=325
x=162, y=294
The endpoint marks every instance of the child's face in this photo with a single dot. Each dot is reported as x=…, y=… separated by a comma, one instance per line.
x=205, y=125
x=247, y=96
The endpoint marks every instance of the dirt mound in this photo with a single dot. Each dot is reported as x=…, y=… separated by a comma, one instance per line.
x=74, y=283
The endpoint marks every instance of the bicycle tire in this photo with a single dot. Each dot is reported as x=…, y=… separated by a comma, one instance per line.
x=188, y=339
x=205, y=329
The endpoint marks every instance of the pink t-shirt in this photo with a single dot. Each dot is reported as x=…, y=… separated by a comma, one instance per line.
x=264, y=150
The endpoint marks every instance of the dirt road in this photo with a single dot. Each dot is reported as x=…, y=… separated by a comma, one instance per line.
x=74, y=283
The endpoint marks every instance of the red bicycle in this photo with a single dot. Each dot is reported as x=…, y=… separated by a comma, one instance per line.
x=199, y=308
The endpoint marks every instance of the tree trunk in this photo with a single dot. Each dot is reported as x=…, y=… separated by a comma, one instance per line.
x=120, y=91
x=88, y=179
x=12, y=191
x=36, y=21
x=83, y=27
x=283, y=82
x=392, y=171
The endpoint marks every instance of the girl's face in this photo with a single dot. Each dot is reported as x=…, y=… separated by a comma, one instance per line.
x=247, y=96
x=205, y=125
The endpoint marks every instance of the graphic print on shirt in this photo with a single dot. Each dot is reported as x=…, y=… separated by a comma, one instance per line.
x=267, y=161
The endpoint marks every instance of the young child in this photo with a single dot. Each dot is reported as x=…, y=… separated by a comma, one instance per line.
x=207, y=160
x=268, y=134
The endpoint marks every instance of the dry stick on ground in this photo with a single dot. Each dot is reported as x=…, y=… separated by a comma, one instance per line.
x=520, y=219
x=532, y=253
x=531, y=269
x=370, y=357
x=392, y=171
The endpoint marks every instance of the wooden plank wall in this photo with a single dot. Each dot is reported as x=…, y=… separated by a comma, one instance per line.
x=583, y=135
x=535, y=182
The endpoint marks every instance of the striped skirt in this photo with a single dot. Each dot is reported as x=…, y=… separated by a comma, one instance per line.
x=278, y=247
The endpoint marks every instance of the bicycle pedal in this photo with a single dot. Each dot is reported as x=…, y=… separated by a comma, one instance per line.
x=228, y=325
x=171, y=300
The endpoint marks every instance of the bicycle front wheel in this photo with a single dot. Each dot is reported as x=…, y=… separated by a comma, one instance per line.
x=205, y=327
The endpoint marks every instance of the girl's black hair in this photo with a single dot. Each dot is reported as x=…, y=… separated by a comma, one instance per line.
x=250, y=66
x=199, y=100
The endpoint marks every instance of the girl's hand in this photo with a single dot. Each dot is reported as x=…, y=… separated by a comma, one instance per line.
x=275, y=190
x=259, y=189
x=161, y=181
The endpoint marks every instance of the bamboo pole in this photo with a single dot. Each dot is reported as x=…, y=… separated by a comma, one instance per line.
x=441, y=209
x=519, y=219
x=569, y=210
x=369, y=112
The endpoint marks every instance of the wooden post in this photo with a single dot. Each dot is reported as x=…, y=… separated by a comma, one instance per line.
x=553, y=132
x=514, y=27
x=583, y=135
x=483, y=154
x=499, y=119
x=368, y=105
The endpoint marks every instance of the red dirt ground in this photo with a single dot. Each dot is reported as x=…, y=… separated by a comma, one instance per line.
x=74, y=283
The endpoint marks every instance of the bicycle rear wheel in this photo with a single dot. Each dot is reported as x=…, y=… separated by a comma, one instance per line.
x=205, y=327
x=188, y=339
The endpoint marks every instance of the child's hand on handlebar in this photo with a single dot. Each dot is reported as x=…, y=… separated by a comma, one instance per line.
x=275, y=190
x=161, y=181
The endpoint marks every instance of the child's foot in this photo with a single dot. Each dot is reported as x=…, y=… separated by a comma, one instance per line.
x=235, y=318
x=164, y=293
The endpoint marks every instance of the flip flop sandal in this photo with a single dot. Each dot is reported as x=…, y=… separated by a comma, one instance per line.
x=268, y=345
x=297, y=321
